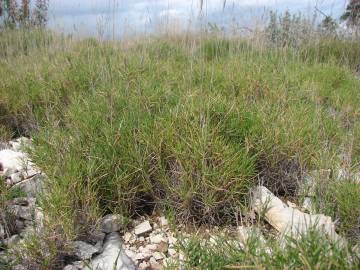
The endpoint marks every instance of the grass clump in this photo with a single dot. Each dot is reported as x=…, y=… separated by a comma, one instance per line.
x=184, y=126
x=311, y=251
x=340, y=200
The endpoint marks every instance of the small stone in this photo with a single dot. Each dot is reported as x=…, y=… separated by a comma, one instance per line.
x=141, y=239
x=157, y=239
x=131, y=254
x=163, y=221
x=143, y=228
x=127, y=237
x=172, y=252
x=155, y=266
x=151, y=247
x=111, y=223
x=158, y=256
x=84, y=251
x=144, y=265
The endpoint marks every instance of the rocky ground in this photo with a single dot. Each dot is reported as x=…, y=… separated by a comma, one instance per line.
x=150, y=243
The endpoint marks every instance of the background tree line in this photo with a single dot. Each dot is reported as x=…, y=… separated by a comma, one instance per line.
x=15, y=13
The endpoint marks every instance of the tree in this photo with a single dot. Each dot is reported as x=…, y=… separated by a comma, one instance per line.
x=352, y=14
x=328, y=26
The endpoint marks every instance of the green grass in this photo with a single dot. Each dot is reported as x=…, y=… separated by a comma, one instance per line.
x=312, y=251
x=340, y=200
x=176, y=124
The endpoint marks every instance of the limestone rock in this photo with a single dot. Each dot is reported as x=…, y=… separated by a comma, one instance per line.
x=31, y=186
x=84, y=251
x=113, y=257
x=22, y=212
x=143, y=228
x=289, y=221
x=157, y=239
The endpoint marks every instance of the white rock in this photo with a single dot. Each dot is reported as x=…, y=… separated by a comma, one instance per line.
x=144, y=265
x=151, y=247
x=12, y=161
x=131, y=254
x=172, y=252
x=287, y=220
x=20, y=144
x=16, y=178
x=158, y=256
x=143, y=228
x=157, y=239
x=113, y=257
x=127, y=237
x=141, y=239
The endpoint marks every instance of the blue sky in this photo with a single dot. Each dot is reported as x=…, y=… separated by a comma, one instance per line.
x=93, y=17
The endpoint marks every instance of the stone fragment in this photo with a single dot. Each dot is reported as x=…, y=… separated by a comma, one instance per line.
x=158, y=256
x=144, y=265
x=111, y=223
x=127, y=237
x=31, y=186
x=84, y=251
x=143, y=228
x=113, y=257
x=172, y=252
x=157, y=239
x=287, y=220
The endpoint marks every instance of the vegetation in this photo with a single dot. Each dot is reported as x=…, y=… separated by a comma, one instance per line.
x=24, y=15
x=352, y=13
x=187, y=125
x=311, y=251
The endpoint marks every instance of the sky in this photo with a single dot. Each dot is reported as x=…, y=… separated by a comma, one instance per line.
x=115, y=18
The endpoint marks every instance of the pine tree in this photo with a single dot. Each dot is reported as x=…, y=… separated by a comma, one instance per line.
x=352, y=14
